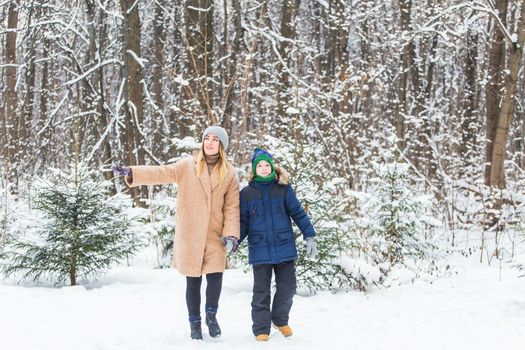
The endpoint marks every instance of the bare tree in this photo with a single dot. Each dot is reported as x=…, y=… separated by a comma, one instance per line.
x=159, y=40
x=470, y=116
x=100, y=124
x=197, y=93
x=232, y=47
x=10, y=111
x=401, y=108
x=290, y=9
x=44, y=134
x=133, y=138
x=501, y=91
x=25, y=140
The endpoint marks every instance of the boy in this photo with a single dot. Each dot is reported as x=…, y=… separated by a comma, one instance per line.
x=268, y=204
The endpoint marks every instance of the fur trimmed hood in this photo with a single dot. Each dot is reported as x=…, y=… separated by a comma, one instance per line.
x=281, y=172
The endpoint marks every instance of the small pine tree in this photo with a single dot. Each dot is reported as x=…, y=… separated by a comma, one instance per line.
x=396, y=218
x=83, y=233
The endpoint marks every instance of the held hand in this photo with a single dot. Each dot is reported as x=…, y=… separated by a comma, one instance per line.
x=311, y=248
x=231, y=243
x=121, y=170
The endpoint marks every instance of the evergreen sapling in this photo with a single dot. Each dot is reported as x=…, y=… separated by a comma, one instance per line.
x=82, y=232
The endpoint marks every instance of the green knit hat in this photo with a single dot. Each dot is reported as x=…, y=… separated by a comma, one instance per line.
x=258, y=155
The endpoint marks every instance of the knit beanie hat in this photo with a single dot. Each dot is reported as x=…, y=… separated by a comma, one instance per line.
x=258, y=155
x=220, y=132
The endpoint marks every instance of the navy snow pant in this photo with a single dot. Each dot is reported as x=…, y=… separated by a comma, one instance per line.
x=262, y=315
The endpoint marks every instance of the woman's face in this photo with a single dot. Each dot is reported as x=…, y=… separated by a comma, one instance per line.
x=263, y=168
x=211, y=144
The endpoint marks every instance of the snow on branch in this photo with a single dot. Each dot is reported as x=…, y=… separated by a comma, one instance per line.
x=91, y=70
x=7, y=65
x=112, y=14
x=119, y=101
x=152, y=156
x=476, y=6
x=53, y=113
x=132, y=7
x=199, y=9
x=133, y=110
x=109, y=127
x=139, y=60
x=69, y=26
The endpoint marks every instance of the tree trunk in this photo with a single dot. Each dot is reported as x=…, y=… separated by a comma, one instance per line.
x=230, y=76
x=328, y=62
x=494, y=87
x=503, y=115
x=284, y=95
x=421, y=153
x=73, y=270
x=100, y=123
x=367, y=61
x=133, y=89
x=104, y=116
x=175, y=94
x=88, y=94
x=401, y=108
x=11, y=154
x=342, y=56
x=197, y=95
x=469, y=123
x=26, y=143
x=159, y=40
x=317, y=39
x=427, y=154
x=238, y=145
x=44, y=131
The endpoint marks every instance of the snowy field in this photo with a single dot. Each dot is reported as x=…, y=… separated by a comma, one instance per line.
x=137, y=307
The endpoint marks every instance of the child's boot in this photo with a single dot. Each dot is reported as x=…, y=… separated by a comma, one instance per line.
x=262, y=337
x=285, y=330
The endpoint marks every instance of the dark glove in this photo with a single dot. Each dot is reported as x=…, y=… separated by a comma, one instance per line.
x=311, y=248
x=121, y=170
x=231, y=243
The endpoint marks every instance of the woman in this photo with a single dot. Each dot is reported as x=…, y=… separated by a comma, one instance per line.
x=207, y=219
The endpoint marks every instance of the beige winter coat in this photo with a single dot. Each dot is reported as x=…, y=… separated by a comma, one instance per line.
x=206, y=211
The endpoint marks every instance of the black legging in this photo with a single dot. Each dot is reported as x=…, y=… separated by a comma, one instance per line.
x=193, y=293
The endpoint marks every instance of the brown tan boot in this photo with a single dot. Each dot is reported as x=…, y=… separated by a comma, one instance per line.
x=285, y=330
x=262, y=337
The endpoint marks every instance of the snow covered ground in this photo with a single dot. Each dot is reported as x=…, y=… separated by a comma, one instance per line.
x=143, y=308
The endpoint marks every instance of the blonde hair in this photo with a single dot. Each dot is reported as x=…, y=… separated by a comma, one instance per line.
x=222, y=164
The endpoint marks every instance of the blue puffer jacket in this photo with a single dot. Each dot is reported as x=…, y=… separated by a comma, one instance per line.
x=266, y=209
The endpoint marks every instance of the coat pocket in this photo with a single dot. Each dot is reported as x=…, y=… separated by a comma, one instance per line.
x=257, y=211
x=285, y=236
x=256, y=219
x=256, y=239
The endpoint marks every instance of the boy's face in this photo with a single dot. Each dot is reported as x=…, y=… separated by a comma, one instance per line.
x=263, y=168
x=211, y=144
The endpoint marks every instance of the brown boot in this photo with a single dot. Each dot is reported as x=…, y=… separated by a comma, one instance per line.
x=262, y=337
x=285, y=330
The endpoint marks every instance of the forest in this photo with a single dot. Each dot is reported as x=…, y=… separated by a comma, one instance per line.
x=338, y=90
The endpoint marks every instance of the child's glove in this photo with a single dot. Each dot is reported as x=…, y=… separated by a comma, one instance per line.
x=121, y=170
x=231, y=243
x=311, y=248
